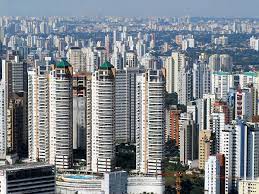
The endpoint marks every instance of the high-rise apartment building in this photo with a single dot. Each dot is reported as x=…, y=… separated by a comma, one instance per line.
x=217, y=126
x=226, y=148
x=38, y=114
x=82, y=101
x=179, y=62
x=221, y=84
x=170, y=75
x=243, y=104
x=150, y=122
x=172, y=124
x=212, y=176
x=188, y=139
x=249, y=186
x=125, y=97
x=61, y=114
x=75, y=58
x=131, y=60
x=103, y=119
x=205, y=147
x=14, y=107
x=50, y=114
x=201, y=79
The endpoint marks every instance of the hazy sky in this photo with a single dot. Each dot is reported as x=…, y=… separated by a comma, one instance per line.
x=238, y=8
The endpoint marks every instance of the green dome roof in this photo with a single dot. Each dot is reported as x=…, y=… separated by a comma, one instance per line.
x=106, y=65
x=63, y=63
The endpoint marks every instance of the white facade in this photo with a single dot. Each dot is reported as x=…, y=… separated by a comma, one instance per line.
x=103, y=119
x=217, y=126
x=3, y=110
x=201, y=79
x=221, y=84
x=145, y=184
x=3, y=113
x=250, y=186
x=212, y=176
x=75, y=58
x=179, y=62
x=253, y=155
x=254, y=43
x=150, y=126
x=226, y=143
x=61, y=115
x=170, y=74
x=243, y=104
x=38, y=115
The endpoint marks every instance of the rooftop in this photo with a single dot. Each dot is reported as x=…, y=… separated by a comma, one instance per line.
x=25, y=166
x=106, y=65
x=63, y=63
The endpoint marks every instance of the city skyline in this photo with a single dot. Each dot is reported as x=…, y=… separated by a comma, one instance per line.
x=206, y=8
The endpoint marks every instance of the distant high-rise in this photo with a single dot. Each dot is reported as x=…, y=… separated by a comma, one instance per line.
x=74, y=56
x=243, y=104
x=254, y=43
x=201, y=79
x=170, y=73
x=131, y=60
x=205, y=147
x=214, y=63
x=226, y=63
x=221, y=84
x=217, y=125
x=188, y=139
x=212, y=176
x=150, y=61
x=226, y=148
x=221, y=63
x=150, y=125
x=172, y=126
x=179, y=62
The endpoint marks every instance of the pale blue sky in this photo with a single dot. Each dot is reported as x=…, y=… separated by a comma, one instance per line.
x=238, y=8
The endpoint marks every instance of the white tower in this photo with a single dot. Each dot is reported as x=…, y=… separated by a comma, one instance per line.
x=103, y=119
x=212, y=176
x=61, y=114
x=150, y=129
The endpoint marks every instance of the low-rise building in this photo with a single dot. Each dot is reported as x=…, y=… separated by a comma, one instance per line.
x=28, y=178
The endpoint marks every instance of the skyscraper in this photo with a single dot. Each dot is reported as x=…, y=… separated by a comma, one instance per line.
x=205, y=147
x=226, y=148
x=201, y=79
x=188, y=139
x=103, y=119
x=179, y=62
x=82, y=111
x=212, y=176
x=38, y=114
x=75, y=58
x=150, y=125
x=170, y=73
x=125, y=97
x=61, y=114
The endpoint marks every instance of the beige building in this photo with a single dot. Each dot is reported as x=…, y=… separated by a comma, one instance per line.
x=248, y=186
x=205, y=145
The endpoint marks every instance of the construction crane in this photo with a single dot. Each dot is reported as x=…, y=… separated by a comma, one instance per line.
x=178, y=181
